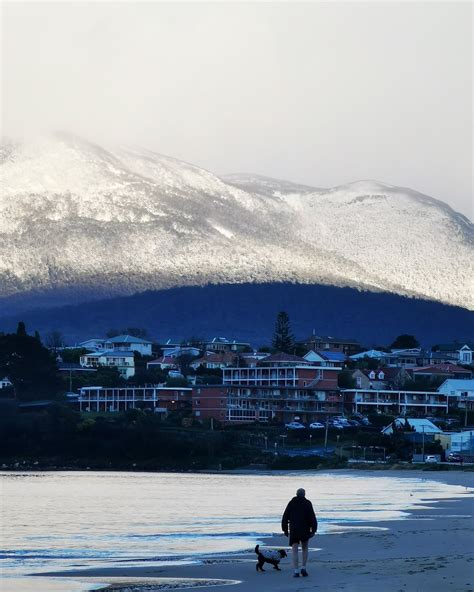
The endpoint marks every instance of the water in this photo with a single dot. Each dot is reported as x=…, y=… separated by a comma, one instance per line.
x=53, y=521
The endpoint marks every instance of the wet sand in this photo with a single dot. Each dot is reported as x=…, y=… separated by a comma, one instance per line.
x=431, y=551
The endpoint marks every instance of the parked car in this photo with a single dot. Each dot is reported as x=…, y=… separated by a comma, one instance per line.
x=316, y=426
x=354, y=423
x=453, y=457
x=175, y=374
x=431, y=459
x=294, y=425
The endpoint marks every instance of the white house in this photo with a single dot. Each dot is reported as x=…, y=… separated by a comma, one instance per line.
x=465, y=355
x=462, y=442
x=5, y=383
x=130, y=343
x=122, y=360
x=461, y=389
x=327, y=359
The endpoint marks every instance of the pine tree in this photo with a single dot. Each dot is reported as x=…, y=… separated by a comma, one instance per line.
x=283, y=339
x=21, y=329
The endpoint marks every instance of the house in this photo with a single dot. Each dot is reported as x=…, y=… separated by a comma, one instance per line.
x=347, y=346
x=252, y=358
x=176, y=351
x=462, y=442
x=408, y=358
x=326, y=358
x=5, y=383
x=420, y=426
x=458, y=392
x=130, y=343
x=163, y=363
x=396, y=376
x=122, y=360
x=458, y=351
x=221, y=344
x=440, y=371
x=383, y=378
x=211, y=360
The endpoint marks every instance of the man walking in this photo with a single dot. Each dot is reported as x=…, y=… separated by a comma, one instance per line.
x=300, y=521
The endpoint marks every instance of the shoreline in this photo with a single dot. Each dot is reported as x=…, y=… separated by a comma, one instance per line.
x=432, y=549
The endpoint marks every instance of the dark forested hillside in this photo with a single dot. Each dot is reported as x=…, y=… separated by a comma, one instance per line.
x=248, y=311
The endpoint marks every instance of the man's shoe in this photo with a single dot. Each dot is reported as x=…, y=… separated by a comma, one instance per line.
x=304, y=573
x=296, y=575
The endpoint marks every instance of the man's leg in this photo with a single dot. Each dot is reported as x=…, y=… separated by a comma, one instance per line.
x=304, y=553
x=294, y=557
x=304, y=557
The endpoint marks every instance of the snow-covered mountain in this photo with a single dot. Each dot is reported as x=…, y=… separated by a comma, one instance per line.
x=80, y=220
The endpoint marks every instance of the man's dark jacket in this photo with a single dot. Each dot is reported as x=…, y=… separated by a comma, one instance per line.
x=300, y=517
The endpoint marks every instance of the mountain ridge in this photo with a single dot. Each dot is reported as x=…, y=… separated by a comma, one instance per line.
x=76, y=217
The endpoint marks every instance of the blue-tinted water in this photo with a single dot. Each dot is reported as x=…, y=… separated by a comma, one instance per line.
x=52, y=521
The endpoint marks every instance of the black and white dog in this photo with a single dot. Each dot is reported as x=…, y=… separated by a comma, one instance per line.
x=269, y=556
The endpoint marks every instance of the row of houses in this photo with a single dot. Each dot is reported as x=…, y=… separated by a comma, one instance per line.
x=221, y=352
x=279, y=388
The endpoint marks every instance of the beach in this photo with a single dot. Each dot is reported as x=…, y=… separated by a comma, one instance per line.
x=430, y=550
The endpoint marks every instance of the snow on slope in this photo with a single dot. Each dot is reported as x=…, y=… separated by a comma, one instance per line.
x=76, y=216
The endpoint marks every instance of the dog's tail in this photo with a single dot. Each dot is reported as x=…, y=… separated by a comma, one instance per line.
x=256, y=549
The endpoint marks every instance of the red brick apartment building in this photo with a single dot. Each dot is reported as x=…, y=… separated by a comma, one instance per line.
x=280, y=388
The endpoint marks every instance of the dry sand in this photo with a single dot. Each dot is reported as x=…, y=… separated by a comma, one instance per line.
x=432, y=551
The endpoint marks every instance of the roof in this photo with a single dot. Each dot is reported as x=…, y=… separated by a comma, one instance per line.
x=128, y=339
x=164, y=360
x=441, y=369
x=333, y=356
x=217, y=358
x=330, y=339
x=371, y=353
x=421, y=426
x=454, y=346
x=391, y=372
x=282, y=358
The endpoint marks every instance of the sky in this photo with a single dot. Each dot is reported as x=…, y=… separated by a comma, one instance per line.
x=321, y=93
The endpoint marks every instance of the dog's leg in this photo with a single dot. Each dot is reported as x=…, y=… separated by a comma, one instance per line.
x=275, y=565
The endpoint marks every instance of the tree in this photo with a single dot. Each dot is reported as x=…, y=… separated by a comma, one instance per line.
x=283, y=339
x=405, y=342
x=345, y=380
x=30, y=366
x=184, y=362
x=21, y=329
x=54, y=340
